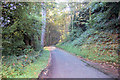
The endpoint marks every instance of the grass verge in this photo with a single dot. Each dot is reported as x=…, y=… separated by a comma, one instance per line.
x=34, y=69
x=12, y=68
x=91, y=53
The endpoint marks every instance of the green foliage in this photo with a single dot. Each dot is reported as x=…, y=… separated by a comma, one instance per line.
x=96, y=15
x=94, y=32
x=34, y=69
x=21, y=25
x=25, y=67
x=83, y=37
x=90, y=52
x=94, y=18
x=104, y=15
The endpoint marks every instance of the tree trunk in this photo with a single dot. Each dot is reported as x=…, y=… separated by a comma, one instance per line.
x=43, y=24
x=119, y=15
x=90, y=17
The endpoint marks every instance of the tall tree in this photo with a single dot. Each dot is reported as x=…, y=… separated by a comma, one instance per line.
x=43, y=23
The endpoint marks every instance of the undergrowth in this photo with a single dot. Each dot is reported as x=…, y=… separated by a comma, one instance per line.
x=96, y=46
x=28, y=66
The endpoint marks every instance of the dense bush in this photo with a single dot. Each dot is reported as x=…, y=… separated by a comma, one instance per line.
x=21, y=26
x=17, y=67
x=101, y=16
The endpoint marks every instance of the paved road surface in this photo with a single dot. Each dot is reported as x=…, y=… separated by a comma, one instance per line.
x=65, y=65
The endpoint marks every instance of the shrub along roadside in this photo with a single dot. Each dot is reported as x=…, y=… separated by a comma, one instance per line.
x=28, y=67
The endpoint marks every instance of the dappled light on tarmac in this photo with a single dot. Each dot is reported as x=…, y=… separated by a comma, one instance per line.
x=50, y=48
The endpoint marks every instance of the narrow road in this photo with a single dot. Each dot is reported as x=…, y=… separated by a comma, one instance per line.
x=65, y=65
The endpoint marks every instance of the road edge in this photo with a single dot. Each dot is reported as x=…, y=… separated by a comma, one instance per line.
x=45, y=72
x=94, y=65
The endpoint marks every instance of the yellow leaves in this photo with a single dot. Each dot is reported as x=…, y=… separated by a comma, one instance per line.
x=16, y=34
x=63, y=37
x=59, y=24
x=22, y=65
x=35, y=73
x=49, y=3
x=46, y=48
x=59, y=40
x=3, y=57
x=68, y=32
x=50, y=13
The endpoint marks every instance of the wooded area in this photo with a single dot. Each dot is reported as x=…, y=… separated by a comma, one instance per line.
x=95, y=33
x=88, y=29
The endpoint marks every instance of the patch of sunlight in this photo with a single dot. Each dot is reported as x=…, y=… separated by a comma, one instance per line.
x=50, y=48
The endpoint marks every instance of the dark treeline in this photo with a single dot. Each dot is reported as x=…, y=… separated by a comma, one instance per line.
x=21, y=25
